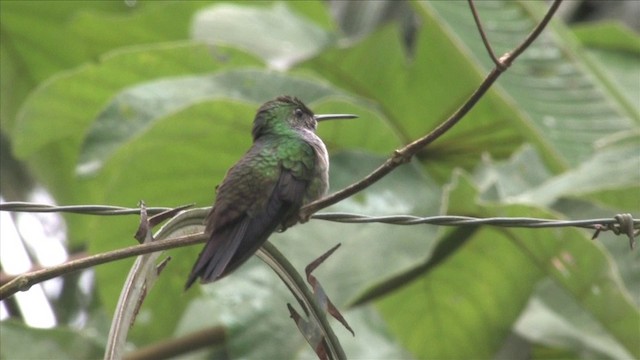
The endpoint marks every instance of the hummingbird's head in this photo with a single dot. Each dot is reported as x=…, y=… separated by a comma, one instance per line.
x=285, y=114
x=281, y=115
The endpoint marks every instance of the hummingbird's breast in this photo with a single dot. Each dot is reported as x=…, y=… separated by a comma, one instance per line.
x=319, y=184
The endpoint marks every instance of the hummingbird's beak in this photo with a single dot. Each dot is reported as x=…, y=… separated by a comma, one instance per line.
x=334, y=116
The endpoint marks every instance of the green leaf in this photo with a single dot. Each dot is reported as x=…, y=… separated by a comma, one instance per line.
x=555, y=320
x=358, y=19
x=616, y=51
x=470, y=302
x=25, y=63
x=42, y=38
x=565, y=99
x=133, y=111
x=293, y=39
x=51, y=126
x=22, y=342
x=149, y=23
x=608, y=35
x=525, y=179
x=251, y=304
x=36, y=23
x=446, y=247
x=594, y=177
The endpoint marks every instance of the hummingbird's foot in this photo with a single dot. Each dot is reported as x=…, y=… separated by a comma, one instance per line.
x=303, y=216
x=292, y=220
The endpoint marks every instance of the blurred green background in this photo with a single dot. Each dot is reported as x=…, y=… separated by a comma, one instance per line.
x=108, y=102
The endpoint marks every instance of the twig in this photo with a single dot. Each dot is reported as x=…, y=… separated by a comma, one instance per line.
x=168, y=348
x=511, y=56
x=483, y=35
x=25, y=281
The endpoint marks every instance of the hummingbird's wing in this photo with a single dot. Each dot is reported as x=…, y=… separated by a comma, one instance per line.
x=285, y=201
x=251, y=203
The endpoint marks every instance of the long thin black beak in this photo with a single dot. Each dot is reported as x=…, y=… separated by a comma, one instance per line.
x=334, y=116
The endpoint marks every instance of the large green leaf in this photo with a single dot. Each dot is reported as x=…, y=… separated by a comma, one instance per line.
x=616, y=50
x=151, y=22
x=133, y=111
x=564, y=98
x=51, y=126
x=59, y=343
x=525, y=179
x=42, y=38
x=293, y=39
x=471, y=301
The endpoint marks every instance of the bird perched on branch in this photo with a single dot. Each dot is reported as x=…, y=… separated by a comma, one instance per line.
x=285, y=168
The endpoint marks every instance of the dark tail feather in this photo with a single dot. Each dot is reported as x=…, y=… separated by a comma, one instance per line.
x=215, y=256
x=201, y=264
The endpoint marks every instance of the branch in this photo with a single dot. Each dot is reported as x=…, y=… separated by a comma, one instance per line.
x=405, y=154
x=165, y=349
x=25, y=281
x=483, y=35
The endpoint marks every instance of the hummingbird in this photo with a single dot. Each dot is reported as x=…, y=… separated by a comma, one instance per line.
x=286, y=168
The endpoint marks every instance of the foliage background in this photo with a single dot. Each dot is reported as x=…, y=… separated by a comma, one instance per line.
x=109, y=103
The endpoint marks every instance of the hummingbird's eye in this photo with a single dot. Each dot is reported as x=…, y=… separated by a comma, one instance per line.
x=299, y=113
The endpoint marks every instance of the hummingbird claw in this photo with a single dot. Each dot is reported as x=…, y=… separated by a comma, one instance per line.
x=303, y=216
